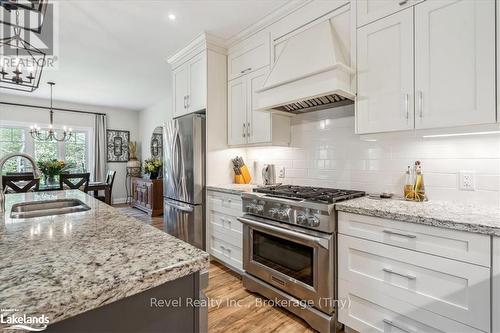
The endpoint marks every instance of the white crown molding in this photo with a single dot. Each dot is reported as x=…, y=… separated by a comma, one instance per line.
x=268, y=20
x=202, y=42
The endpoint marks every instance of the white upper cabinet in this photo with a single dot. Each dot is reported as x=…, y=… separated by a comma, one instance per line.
x=237, y=111
x=385, y=74
x=249, y=55
x=190, y=85
x=454, y=63
x=372, y=10
x=180, y=90
x=197, y=95
x=259, y=122
x=246, y=126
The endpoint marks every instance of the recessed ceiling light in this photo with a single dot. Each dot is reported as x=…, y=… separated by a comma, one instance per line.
x=171, y=17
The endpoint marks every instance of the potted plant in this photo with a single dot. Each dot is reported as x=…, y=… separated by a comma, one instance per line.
x=51, y=169
x=152, y=167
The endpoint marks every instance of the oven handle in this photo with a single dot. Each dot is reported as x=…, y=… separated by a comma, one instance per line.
x=320, y=241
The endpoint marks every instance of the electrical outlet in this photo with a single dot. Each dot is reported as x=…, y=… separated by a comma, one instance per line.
x=467, y=181
x=281, y=172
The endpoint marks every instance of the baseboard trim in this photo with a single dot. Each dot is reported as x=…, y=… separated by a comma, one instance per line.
x=118, y=201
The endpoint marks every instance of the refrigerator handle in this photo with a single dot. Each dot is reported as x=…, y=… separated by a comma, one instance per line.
x=179, y=207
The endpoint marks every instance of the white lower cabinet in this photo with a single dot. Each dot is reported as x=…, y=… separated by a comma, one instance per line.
x=394, y=283
x=224, y=231
x=496, y=285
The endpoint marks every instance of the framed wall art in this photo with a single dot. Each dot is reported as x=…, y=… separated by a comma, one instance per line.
x=117, y=145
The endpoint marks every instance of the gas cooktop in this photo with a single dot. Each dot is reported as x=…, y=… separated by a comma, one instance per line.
x=309, y=193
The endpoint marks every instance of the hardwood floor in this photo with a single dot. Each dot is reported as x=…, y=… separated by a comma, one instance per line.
x=233, y=308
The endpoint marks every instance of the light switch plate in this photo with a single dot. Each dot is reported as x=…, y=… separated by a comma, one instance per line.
x=467, y=180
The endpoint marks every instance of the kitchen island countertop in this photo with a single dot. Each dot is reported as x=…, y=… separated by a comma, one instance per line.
x=445, y=214
x=63, y=265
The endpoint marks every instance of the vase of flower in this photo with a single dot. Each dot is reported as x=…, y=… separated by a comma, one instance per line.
x=152, y=167
x=50, y=169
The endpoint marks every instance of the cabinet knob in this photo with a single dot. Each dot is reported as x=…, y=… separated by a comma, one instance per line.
x=244, y=130
x=403, y=2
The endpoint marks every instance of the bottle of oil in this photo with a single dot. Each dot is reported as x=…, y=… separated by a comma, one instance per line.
x=419, y=183
x=409, y=188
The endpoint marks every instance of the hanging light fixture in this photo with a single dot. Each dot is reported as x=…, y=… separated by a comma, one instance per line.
x=21, y=64
x=50, y=133
x=33, y=12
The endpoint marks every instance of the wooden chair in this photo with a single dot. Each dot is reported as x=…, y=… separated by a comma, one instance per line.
x=74, y=181
x=110, y=179
x=20, y=182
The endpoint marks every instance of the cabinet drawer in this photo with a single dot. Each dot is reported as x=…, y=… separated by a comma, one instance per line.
x=453, y=244
x=224, y=228
x=453, y=289
x=225, y=203
x=250, y=55
x=225, y=221
x=370, y=312
x=226, y=252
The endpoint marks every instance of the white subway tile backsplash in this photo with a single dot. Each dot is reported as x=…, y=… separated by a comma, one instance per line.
x=326, y=152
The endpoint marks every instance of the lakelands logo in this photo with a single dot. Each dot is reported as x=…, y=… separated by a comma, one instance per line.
x=24, y=322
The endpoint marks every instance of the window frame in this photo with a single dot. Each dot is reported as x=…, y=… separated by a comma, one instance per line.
x=29, y=146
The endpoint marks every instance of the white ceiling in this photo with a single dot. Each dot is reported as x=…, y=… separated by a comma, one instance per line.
x=113, y=52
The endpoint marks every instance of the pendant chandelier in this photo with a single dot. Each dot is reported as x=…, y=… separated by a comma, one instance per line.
x=33, y=13
x=50, y=134
x=21, y=63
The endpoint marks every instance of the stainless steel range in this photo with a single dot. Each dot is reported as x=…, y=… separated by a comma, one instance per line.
x=289, y=246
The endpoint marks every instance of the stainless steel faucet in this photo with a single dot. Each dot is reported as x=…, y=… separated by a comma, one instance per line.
x=36, y=173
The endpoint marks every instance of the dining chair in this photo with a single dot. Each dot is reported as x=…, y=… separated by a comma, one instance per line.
x=74, y=181
x=110, y=179
x=20, y=182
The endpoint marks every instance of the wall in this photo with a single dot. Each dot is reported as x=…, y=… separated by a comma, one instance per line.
x=117, y=119
x=326, y=152
x=149, y=119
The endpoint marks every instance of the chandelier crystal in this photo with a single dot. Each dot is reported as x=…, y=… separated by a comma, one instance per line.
x=50, y=133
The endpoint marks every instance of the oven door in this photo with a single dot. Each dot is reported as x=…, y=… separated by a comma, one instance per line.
x=298, y=261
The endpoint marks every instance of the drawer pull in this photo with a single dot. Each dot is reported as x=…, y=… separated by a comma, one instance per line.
x=408, y=276
x=403, y=2
x=399, y=234
x=399, y=327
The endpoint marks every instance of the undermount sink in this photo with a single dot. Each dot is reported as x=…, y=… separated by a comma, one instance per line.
x=47, y=208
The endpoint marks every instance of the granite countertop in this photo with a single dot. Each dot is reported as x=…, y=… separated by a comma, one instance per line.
x=64, y=265
x=232, y=188
x=464, y=217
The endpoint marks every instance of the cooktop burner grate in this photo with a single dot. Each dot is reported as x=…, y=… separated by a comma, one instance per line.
x=317, y=194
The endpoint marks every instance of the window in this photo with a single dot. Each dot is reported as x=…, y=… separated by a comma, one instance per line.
x=12, y=141
x=17, y=139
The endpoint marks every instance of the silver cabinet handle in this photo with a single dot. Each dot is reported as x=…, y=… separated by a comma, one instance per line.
x=187, y=102
x=390, y=232
x=399, y=327
x=248, y=129
x=407, y=106
x=244, y=134
x=185, y=97
x=408, y=276
x=420, y=104
x=246, y=70
x=403, y=2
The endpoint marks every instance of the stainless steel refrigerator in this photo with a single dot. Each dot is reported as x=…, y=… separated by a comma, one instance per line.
x=184, y=178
